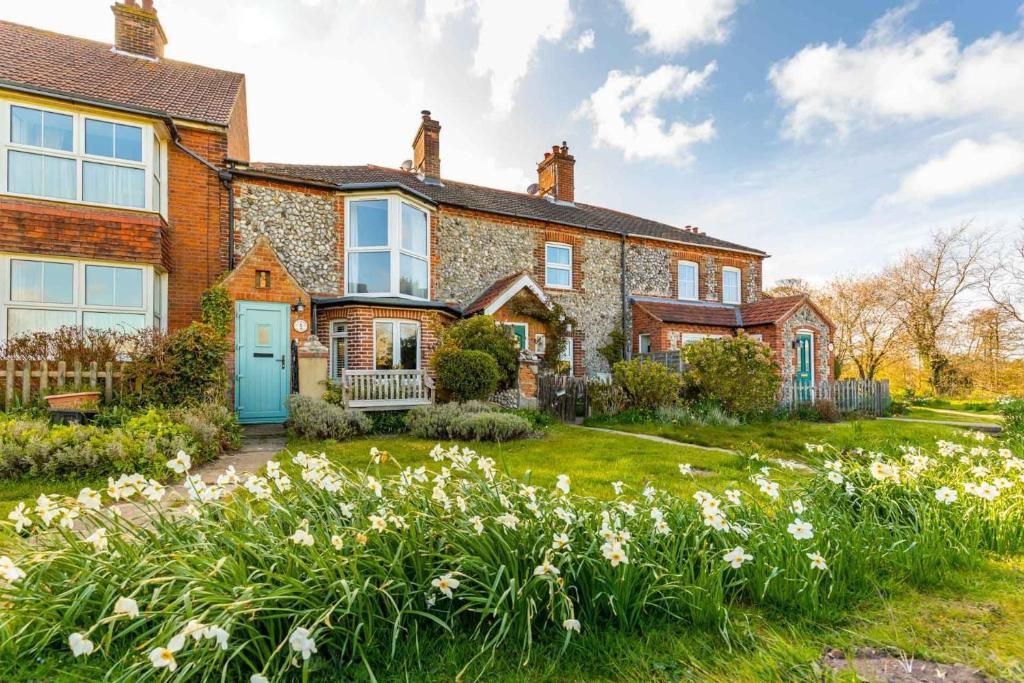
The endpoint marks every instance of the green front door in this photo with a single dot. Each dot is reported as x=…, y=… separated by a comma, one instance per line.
x=805, y=367
x=261, y=361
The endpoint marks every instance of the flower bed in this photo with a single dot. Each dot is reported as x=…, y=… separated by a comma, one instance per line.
x=318, y=568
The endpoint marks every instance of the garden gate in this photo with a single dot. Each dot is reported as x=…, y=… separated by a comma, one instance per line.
x=562, y=396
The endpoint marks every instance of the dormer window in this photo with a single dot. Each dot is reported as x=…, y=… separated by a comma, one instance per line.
x=688, y=271
x=388, y=248
x=730, y=285
x=78, y=157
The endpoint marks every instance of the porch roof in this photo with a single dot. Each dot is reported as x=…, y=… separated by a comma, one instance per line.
x=386, y=302
x=763, y=312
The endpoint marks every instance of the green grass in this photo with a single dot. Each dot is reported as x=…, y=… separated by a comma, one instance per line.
x=26, y=490
x=974, y=406
x=787, y=437
x=921, y=413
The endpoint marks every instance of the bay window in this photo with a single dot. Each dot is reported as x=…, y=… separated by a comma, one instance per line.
x=396, y=345
x=688, y=280
x=388, y=248
x=730, y=285
x=41, y=295
x=80, y=157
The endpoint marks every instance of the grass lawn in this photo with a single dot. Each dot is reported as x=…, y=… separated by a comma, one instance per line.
x=787, y=437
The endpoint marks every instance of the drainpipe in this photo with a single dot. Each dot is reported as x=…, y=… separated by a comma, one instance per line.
x=627, y=330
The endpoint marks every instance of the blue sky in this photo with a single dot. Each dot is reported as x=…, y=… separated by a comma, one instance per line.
x=831, y=134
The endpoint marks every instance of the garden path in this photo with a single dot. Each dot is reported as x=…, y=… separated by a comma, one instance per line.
x=976, y=426
x=791, y=464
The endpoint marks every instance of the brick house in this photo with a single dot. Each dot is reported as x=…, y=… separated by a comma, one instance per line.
x=126, y=189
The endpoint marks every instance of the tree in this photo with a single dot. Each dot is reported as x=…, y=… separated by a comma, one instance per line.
x=790, y=286
x=868, y=329
x=931, y=283
x=1004, y=279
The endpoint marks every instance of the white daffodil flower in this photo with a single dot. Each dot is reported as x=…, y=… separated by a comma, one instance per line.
x=163, y=657
x=685, y=469
x=563, y=483
x=800, y=530
x=945, y=495
x=546, y=569
x=218, y=634
x=20, y=519
x=378, y=523
x=179, y=464
x=817, y=561
x=445, y=584
x=737, y=556
x=89, y=499
x=617, y=487
x=571, y=625
x=80, y=645
x=127, y=607
x=301, y=641
x=98, y=539
x=9, y=571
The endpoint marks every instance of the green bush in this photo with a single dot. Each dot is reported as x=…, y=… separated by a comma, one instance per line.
x=1013, y=416
x=482, y=333
x=827, y=411
x=471, y=420
x=537, y=419
x=313, y=418
x=605, y=398
x=140, y=443
x=735, y=372
x=646, y=385
x=466, y=375
x=387, y=421
x=186, y=366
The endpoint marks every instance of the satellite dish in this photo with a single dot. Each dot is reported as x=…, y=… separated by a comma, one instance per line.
x=533, y=189
x=407, y=165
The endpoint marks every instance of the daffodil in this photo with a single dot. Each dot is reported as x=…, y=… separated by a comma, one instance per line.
x=338, y=542
x=9, y=571
x=563, y=483
x=98, y=539
x=179, y=464
x=685, y=469
x=560, y=542
x=127, y=607
x=617, y=487
x=614, y=553
x=163, y=657
x=733, y=496
x=20, y=519
x=545, y=569
x=737, y=556
x=89, y=499
x=800, y=529
x=80, y=645
x=817, y=561
x=571, y=625
x=445, y=583
x=478, y=524
x=378, y=523
x=945, y=495
x=217, y=634
x=301, y=641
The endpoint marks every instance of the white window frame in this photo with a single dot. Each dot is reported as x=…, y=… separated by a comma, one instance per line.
x=739, y=285
x=394, y=245
x=640, y=343
x=78, y=305
x=526, y=333
x=150, y=136
x=396, y=341
x=696, y=280
x=334, y=335
x=557, y=266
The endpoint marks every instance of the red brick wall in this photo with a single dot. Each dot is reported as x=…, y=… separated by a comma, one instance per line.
x=56, y=229
x=360, y=318
x=238, y=127
x=197, y=204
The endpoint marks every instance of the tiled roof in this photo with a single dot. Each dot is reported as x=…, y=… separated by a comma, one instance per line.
x=499, y=201
x=89, y=69
x=491, y=293
x=763, y=312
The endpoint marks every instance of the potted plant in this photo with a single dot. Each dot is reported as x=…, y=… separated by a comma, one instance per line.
x=73, y=408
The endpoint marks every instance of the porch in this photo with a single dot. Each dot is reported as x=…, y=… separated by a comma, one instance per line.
x=386, y=389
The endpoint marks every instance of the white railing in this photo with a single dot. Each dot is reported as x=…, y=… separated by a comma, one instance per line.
x=386, y=389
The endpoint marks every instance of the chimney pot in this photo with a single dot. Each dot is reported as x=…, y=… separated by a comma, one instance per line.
x=556, y=174
x=426, y=147
x=137, y=30
x=147, y=5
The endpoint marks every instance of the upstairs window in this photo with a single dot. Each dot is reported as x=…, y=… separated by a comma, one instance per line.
x=730, y=285
x=688, y=280
x=80, y=158
x=388, y=248
x=558, y=266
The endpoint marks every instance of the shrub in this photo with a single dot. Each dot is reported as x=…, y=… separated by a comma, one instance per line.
x=387, y=421
x=482, y=333
x=614, y=349
x=471, y=420
x=313, y=418
x=1013, y=416
x=827, y=410
x=605, y=398
x=139, y=442
x=215, y=304
x=538, y=420
x=646, y=385
x=70, y=344
x=466, y=375
x=186, y=366
x=735, y=372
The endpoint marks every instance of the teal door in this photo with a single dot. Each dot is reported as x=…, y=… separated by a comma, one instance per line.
x=261, y=361
x=805, y=367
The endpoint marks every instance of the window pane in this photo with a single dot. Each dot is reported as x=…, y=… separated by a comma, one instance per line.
x=413, y=277
x=128, y=142
x=158, y=296
x=369, y=272
x=24, y=320
x=414, y=229
x=730, y=286
x=44, y=282
x=99, y=138
x=99, y=285
x=58, y=131
x=340, y=358
x=128, y=287
x=39, y=175
x=122, y=322
x=687, y=281
x=105, y=184
x=26, y=281
x=370, y=223
x=560, y=255
x=558, y=277
x=383, y=346
x=26, y=126
x=409, y=345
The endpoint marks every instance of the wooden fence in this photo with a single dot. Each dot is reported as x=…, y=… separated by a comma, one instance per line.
x=866, y=396
x=673, y=360
x=562, y=396
x=25, y=380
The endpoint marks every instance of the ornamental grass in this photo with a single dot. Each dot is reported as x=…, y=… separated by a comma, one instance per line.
x=310, y=569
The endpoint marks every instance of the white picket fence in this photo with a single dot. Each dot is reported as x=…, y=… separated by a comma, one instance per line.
x=866, y=396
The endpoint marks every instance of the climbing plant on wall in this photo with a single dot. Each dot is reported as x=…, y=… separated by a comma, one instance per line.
x=559, y=326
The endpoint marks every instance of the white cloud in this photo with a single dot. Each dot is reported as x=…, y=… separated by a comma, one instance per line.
x=508, y=36
x=896, y=75
x=585, y=41
x=623, y=112
x=966, y=166
x=673, y=26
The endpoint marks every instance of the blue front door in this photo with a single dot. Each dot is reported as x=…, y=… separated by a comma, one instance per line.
x=261, y=361
x=805, y=367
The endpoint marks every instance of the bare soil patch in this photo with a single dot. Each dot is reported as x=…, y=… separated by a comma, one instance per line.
x=879, y=666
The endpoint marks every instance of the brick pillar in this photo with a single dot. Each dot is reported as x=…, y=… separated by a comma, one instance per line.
x=312, y=367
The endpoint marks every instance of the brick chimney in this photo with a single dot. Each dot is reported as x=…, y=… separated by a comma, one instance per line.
x=555, y=174
x=137, y=29
x=426, y=148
